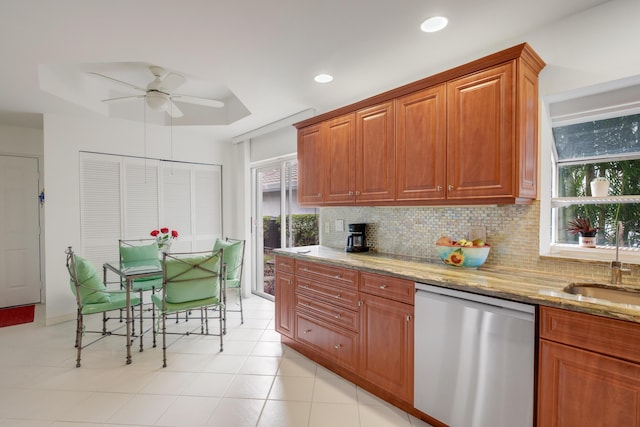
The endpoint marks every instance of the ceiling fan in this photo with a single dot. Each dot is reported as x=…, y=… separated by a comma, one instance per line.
x=159, y=94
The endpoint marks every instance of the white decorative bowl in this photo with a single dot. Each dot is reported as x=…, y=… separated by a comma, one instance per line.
x=463, y=256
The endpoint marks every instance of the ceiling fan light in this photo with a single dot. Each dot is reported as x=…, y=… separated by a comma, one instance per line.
x=157, y=101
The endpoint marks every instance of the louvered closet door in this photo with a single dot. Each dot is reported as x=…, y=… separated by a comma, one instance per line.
x=100, y=207
x=141, y=209
x=175, y=201
x=207, y=206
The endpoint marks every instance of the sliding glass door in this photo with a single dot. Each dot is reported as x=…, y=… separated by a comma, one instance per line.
x=278, y=220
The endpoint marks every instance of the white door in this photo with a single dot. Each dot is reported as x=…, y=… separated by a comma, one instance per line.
x=19, y=231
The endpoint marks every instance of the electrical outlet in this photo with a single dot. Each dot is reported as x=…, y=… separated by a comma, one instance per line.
x=339, y=225
x=478, y=232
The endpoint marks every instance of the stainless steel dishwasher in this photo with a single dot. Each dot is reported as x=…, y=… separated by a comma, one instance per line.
x=474, y=358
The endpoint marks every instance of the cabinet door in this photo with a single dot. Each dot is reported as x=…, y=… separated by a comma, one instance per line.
x=340, y=161
x=421, y=145
x=375, y=153
x=284, y=307
x=481, y=134
x=310, y=163
x=581, y=388
x=386, y=345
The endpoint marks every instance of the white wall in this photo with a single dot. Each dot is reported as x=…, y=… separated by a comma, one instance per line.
x=596, y=46
x=21, y=141
x=64, y=138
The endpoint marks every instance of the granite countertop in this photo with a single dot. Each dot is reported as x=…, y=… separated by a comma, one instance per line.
x=511, y=284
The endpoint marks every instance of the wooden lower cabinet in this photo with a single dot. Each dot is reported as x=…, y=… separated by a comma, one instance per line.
x=358, y=324
x=386, y=345
x=587, y=386
x=284, y=304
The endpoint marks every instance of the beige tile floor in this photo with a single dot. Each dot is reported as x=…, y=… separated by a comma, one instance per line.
x=256, y=381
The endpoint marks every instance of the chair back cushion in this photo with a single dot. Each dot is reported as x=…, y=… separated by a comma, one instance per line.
x=233, y=253
x=92, y=289
x=191, y=279
x=136, y=256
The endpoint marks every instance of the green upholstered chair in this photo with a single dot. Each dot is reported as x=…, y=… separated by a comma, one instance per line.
x=234, y=260
x=139, y=253
x=191, y=281
x=93, y=297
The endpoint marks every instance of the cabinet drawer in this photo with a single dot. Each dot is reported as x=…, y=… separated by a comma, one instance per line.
x=345, y=297
x=609, y=336
x=285, y=264
x=388, y=287
x=337, y=344
x=329, y=312
x=327, y=273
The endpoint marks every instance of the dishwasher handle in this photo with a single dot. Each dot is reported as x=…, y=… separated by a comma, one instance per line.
x=491, y=305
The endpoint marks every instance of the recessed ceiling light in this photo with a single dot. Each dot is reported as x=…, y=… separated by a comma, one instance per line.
x=323, y=78
x=433, y=24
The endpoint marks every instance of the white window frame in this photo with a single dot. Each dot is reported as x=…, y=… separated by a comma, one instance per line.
x=598, y=102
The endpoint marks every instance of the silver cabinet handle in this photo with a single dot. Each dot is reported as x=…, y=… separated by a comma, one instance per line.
x=337, y=346
x=439, y=188
x=351, y=193
x=307, y=331
x=384, y=286
x=337, y=316
x=338, y=295
x=357, y=193
x=450, y=187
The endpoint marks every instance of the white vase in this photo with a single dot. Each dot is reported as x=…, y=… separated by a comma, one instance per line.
x=599, y=187
x=164, y=248
x=588, y=241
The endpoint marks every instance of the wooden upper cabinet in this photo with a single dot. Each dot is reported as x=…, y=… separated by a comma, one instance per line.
x=310, y=163
x=340, y=160
x=375, y=153
x=421, y=155
x=481, y=133
x=468, y=135
x=492, y=140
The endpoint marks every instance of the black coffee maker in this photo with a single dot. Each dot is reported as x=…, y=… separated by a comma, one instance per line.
x=356, y=241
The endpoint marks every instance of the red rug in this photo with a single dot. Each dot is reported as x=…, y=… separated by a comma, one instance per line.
x=16, y=315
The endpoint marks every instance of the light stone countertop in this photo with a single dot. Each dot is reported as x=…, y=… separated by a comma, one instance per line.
x=516, y=285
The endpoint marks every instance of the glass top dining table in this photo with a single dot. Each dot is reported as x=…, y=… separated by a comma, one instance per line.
x=128, y=273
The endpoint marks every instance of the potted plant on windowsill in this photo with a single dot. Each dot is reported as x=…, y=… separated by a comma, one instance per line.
x=586, y=233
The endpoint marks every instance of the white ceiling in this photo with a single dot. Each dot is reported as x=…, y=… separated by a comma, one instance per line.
x=266, y=53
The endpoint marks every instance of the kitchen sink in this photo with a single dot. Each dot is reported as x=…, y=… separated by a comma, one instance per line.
x=612, y=293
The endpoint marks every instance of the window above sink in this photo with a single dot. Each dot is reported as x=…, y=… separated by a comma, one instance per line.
x=595, y=134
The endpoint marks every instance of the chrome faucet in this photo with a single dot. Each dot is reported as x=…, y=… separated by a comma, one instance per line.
x=616, y=266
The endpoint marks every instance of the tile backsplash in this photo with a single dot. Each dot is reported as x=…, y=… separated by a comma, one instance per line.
x=512, y=231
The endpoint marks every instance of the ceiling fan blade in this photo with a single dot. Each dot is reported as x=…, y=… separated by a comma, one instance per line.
x=123, y=99
x=120, y=82
x=172, y=81
x=174, y=111
x=197, y=100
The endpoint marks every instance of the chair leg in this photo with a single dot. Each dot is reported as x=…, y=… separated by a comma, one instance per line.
x=164, y=340
x=153, y=321
x=222, y=331
x=104, y=323
x=79, y=338
x=241, y=312
x=141, y=324
x=204, y=321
